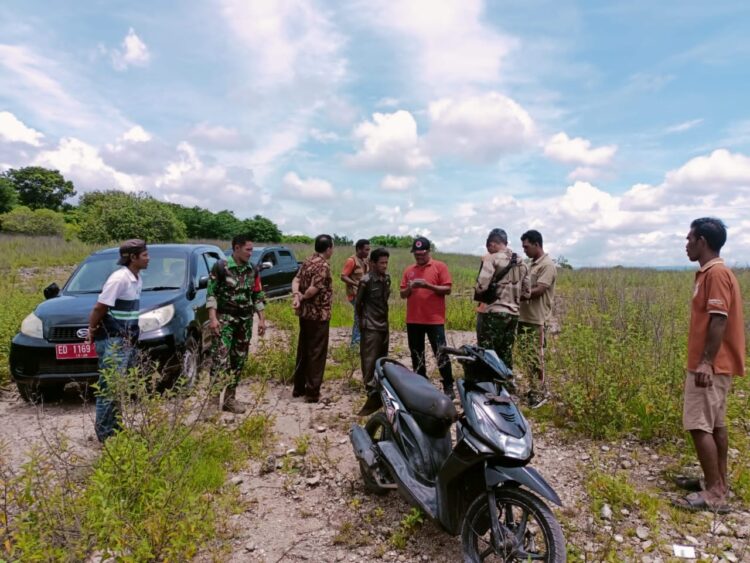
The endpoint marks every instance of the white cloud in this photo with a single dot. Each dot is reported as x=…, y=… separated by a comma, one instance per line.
x=684, y=126
x=307, y=189
x=14, y=130
x=397, y=183
x=80, y=162
x=289, y=40
x=136, y=134
x=323, y=136
x=585, y=173
x=421, y=216
x=389, y=143
x=481, y=128
x=447, y=43
x=133, y=52
x=578, y=151
x=705, y=174
x=215, y=135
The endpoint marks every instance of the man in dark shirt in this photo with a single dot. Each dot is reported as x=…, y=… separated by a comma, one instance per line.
x=371, y=305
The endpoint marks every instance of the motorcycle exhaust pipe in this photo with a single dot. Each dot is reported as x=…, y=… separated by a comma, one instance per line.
x=362, y=444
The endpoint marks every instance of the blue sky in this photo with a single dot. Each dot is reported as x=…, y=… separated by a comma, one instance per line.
x=606, y=127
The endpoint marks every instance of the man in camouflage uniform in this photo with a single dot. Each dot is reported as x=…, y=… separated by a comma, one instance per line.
x=497, y=330
x=234, y=296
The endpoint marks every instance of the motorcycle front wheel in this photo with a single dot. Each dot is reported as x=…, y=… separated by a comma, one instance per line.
x=530, y=530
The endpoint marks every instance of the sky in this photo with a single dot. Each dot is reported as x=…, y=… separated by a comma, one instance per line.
x=608, y=127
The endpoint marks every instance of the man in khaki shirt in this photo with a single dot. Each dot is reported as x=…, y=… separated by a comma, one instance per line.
x=535, y=313
x=497, y=331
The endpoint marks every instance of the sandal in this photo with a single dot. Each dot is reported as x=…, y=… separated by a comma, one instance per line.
x=696, y=503
x=693, y=484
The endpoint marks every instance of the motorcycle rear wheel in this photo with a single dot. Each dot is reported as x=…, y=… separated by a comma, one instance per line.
x=531, y=530
x=378, y=429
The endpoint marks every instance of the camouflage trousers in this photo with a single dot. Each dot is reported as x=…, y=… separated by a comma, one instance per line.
x=497, y=331
x=229, y=350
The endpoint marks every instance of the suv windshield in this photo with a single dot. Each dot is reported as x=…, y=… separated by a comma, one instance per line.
x=166, y=270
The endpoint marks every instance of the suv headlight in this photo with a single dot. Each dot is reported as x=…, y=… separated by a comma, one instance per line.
x=32, y=326
x=156, y=319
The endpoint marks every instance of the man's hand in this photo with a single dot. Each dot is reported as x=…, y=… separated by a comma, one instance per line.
x=261, y=327
x=296, y=301
x=214, y=326
x=418, y=283
x=704, y=375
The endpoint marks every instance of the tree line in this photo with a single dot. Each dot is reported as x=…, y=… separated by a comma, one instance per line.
x=34, y=201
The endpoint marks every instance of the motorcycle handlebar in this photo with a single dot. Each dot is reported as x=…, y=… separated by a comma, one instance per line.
x=452, y=351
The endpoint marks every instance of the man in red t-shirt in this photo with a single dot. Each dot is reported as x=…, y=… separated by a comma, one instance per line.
x=424, y=285
x=716, y=353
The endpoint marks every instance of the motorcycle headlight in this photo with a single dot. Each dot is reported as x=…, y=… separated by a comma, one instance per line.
x=156, y=319
x=32, y=326
x=518, y=448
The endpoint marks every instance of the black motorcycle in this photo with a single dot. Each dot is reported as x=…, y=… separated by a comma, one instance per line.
x=481, y=488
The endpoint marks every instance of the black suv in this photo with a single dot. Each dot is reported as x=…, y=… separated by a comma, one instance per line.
x=49, y=351
x=277, y=266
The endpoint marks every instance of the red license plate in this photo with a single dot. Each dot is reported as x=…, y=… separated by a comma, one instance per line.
x=75, y=351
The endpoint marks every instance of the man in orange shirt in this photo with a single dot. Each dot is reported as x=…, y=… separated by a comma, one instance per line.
x=424, y=285
x=716, y=353
x=355, y=268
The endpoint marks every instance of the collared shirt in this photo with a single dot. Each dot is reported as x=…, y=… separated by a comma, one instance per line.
x=121, y=294
x=371, y=302
x=510, y=288
x=538, y=310
x=424, y=306
x=240, y=289
x=717, y=292
x=316, y=271
x=354, y=268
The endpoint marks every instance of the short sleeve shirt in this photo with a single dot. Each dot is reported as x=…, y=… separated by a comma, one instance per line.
x=538, y=310
x=315, y=271
x=424, y=306
x=717, y=292
x=121, y=294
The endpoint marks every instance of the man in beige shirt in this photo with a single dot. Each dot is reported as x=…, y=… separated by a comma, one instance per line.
x=497, y=331
x=535, y=313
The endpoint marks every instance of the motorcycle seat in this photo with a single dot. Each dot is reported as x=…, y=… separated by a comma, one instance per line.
x=419, y=395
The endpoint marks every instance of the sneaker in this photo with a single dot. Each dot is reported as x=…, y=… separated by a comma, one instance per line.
x=448, y=390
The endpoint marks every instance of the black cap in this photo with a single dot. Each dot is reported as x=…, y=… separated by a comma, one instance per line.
x=132, y=246
x=420, y=243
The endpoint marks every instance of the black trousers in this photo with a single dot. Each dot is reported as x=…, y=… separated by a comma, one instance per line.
x=498, y=333
x=312, y=349
x=373, y=344
x=436, y=335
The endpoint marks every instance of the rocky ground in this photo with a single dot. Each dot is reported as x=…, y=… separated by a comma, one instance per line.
x=305, y=500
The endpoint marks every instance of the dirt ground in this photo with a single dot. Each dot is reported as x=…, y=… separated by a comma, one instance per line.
x=306, y=501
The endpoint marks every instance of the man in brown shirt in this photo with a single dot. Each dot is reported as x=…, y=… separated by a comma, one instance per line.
x=534, y=314
x=497, y=331
x=716, y=353
x=312, y=296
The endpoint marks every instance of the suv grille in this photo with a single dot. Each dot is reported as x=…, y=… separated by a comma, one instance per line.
x=65, y=334
x=72, y=367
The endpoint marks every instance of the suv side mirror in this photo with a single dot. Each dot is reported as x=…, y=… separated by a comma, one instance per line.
x=51, y=291
x=266, y=266
x=203, y=282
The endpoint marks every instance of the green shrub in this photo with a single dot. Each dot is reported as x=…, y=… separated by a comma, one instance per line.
x=115, y=216
x=25, y=221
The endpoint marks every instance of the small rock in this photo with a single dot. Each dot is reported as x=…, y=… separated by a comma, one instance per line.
x=584, y=457
x=313, y=481
x=731, y=557
x=742, y=531
x=647, y=544
x=733, y=452
x=720, y=529
x=619, y=538
x=624, y=511
x=250, y=546
x=269, y=465
x=291, y=451
x=626, y=464
x=641, y=532
x=320, y=428
x=654, y=457
x=605, y=448
x=343, y=440
x=691, y=539
x=606, y=512
x=236, y=480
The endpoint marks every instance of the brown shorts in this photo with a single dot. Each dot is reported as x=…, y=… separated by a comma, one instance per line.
x=705, y=408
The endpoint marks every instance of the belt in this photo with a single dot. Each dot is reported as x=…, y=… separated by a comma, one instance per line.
x=234, y=310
